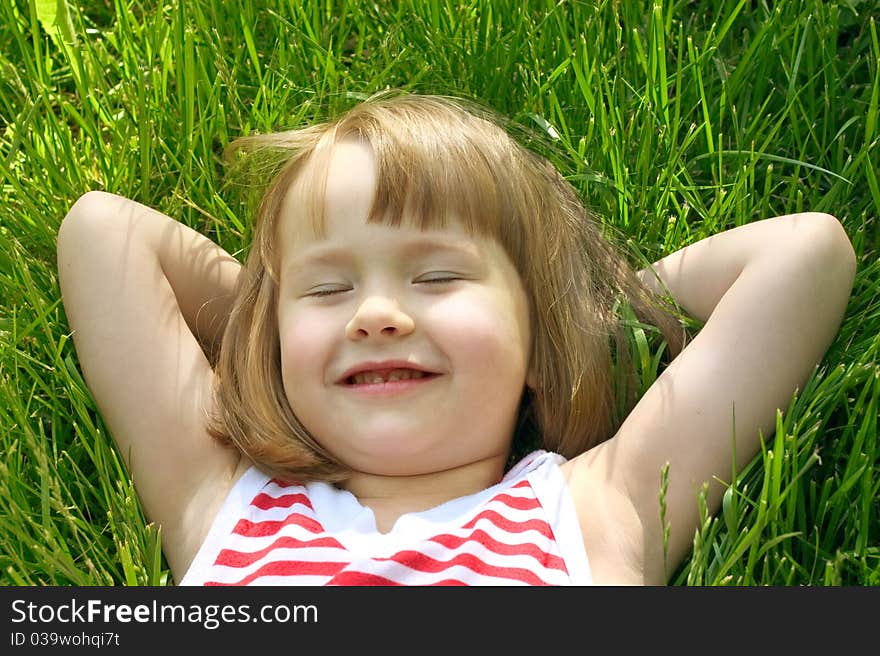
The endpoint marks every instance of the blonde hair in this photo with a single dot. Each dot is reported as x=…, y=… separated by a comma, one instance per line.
x=438, y=157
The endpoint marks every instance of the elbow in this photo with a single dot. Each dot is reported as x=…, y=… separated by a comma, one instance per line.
x=829, y=240
x=830, y=237
x=90, y=204
x=87, y=211
x=76, y=233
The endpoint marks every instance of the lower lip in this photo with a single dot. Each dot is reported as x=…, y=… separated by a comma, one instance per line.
x=390, y=388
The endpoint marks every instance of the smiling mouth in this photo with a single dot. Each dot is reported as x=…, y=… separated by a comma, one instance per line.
x=387, y=376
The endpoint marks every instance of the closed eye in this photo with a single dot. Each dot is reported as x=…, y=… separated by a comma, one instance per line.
x=438, y=277
x=326, y=292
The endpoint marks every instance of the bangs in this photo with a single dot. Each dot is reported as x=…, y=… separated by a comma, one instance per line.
x=432, y=167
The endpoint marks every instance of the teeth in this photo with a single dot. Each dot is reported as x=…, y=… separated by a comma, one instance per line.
x=373, y=377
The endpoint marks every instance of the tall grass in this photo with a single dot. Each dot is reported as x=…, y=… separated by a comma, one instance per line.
x=675, y=120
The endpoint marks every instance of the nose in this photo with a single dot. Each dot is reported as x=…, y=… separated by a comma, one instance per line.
x=378, y=317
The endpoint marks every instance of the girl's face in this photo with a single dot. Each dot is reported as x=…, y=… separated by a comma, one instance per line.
x=364, y=307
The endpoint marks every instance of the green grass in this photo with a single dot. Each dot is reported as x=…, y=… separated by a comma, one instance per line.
x=674, y=122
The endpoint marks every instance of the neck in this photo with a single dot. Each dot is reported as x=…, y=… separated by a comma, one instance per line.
x=391, y=496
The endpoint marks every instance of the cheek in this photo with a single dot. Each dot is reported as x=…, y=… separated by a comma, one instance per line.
x=487, y=335
x=301, y=347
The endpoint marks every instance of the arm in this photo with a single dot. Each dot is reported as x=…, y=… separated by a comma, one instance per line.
x=136, y=285
x=772, y=295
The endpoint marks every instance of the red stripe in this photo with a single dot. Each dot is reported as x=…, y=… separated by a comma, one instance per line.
x=424, y=563
x=264, y=501
x=234, y=558
x=450, y=582
x=517, y=503
x=511, y=526
x=348, y=577
x=288, y=568
x=248, y=528
x=529, y=549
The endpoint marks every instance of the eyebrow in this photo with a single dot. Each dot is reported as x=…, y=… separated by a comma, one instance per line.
x=329, y=254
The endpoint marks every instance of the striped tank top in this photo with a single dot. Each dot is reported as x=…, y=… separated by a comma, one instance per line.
x=522, y=531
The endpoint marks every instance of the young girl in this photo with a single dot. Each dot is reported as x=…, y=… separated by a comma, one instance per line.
x=422, y=296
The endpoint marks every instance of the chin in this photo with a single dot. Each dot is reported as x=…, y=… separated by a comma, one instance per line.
x=390, y=465
x=396, y=457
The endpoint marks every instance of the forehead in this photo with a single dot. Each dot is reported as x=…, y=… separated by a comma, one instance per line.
x=350, y=181
x=335, y=194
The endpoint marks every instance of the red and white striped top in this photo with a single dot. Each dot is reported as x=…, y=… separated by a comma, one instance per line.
x=522, y=531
